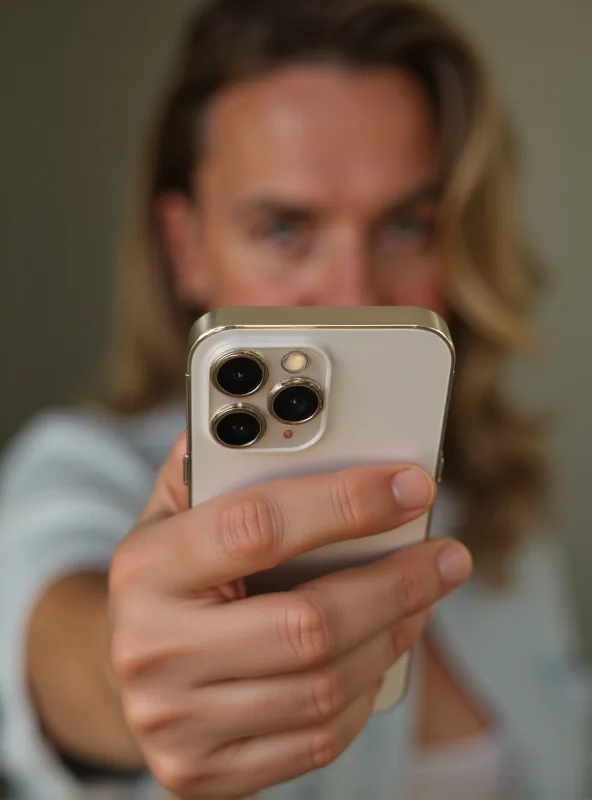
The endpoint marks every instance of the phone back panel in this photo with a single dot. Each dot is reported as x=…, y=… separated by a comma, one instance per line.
x=386, y=374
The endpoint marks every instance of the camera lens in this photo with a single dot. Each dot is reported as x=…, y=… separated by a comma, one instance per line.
x=240, y=374
x=298, y=401
x=238, y=427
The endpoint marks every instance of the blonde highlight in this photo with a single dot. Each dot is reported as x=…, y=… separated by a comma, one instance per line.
x=494, y=454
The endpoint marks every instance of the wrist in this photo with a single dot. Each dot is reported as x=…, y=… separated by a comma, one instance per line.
x=77, y=701
x=127, y=752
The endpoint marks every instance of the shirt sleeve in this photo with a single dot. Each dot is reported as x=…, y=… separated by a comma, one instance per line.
x=71, y=488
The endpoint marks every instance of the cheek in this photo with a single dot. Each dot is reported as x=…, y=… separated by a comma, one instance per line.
x=233, y=288
x=422, y=286
x=240, y=279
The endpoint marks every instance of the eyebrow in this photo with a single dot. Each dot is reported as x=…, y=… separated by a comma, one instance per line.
x=426, y=193
x=267, y=205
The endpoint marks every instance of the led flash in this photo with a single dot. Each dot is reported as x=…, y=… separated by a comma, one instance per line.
x=295, y=362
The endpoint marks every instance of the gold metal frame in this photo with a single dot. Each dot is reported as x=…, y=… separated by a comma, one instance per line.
x=232, y=354
x=244, y=408
x=302, y=317
x=280, y=387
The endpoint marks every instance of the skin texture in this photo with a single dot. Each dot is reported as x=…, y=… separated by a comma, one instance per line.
x=318, y=187
x=228, y=694
x=301, y=199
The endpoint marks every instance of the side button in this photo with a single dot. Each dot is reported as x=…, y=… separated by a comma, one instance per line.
x=186, y=469
x=440, y=469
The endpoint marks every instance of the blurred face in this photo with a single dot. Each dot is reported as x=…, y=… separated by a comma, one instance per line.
x=319, y=186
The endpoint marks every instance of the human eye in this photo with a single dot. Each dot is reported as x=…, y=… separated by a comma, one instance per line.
x=407, y=231
x=288, y=234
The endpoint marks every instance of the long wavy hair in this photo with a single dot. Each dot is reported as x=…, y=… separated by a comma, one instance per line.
x=494, y=453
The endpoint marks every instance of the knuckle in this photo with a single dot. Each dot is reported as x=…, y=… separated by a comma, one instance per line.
x=174, y=772
x=130, y=563
x=305, y=631
x=250, y=528
x=121, y=569
x=348, y=500
x=130, y=656
x=126, y=661
x=409, y=594
x=134, y=656
x=327, y=694
x=146, y=716
x=325, y=747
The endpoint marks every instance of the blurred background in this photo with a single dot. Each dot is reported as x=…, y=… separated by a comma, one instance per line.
x=77, y=84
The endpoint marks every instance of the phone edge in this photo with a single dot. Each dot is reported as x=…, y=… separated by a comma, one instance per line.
x=303, y=317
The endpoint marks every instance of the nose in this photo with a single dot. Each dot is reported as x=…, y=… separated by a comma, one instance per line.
x=352, y=281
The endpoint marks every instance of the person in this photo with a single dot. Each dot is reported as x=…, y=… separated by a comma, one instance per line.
x=349, y=152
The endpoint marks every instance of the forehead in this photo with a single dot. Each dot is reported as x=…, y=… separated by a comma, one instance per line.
x=322, y=130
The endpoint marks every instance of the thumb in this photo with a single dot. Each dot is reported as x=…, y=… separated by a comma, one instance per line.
x=170, y=495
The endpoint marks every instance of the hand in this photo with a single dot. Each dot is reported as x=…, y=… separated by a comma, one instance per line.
x=228, y=694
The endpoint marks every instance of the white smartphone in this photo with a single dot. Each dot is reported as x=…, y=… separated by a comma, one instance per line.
x=285, y=392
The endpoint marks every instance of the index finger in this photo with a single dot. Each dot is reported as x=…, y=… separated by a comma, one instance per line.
x=240, y=534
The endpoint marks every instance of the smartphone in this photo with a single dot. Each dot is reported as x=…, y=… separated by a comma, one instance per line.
x=285, y=392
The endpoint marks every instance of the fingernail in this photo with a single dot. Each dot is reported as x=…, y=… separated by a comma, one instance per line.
x=454, y=563
x=413, y=489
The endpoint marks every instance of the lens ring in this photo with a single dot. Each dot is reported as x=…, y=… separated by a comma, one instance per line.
x=302, y=383
x=223, y=382
x=247, y=415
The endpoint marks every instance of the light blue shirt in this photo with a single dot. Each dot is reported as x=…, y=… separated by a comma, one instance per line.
x=72, y=485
